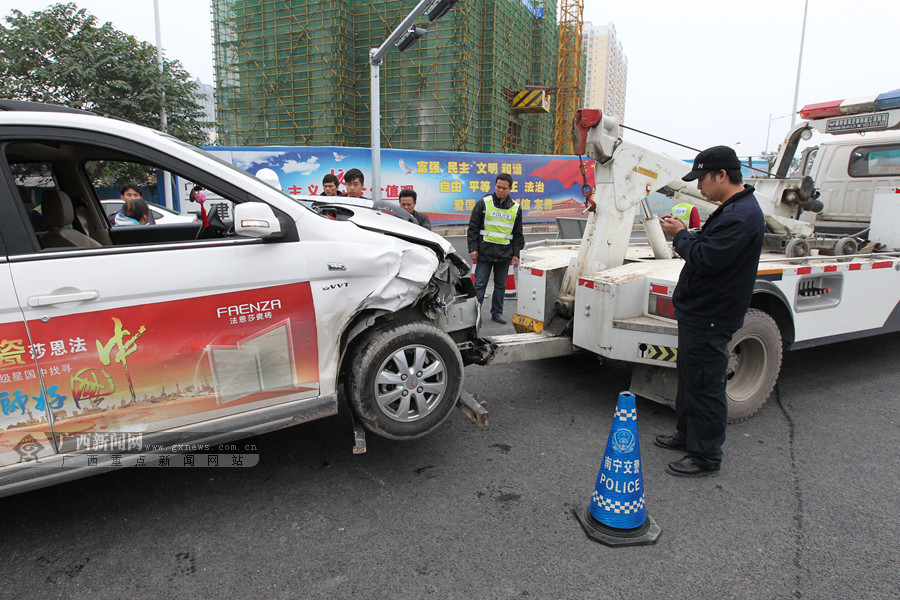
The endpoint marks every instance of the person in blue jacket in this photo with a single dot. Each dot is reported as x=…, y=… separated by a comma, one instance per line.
x=135, y=212
x=711, y=299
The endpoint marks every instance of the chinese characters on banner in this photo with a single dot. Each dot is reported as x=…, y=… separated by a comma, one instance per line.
x=448, y=184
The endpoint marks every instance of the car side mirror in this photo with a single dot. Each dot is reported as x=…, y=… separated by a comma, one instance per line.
x=257, y=220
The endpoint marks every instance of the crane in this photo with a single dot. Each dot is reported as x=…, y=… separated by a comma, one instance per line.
x=568, y=76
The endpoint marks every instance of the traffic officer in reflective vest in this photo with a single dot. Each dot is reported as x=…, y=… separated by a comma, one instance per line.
x=495, y=239
x=687, y=213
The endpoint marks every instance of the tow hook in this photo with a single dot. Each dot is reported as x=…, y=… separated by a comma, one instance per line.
x=472, y=408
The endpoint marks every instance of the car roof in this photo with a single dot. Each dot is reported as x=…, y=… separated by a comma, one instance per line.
x=24, y=105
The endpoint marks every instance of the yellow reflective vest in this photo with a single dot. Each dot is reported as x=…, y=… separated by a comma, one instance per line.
x=683, y=211
x=498, y=222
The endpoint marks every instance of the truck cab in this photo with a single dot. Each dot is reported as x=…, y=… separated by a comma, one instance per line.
x=849, y=149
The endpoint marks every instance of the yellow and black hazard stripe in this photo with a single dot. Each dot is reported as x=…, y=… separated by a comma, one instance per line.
x=661, y=353
x=530, y=101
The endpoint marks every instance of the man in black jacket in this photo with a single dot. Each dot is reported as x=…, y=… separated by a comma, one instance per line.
x=408, y=199
x=711, y=298
x=495, y=238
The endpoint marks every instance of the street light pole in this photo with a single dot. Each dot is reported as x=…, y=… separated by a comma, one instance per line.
x=375, y=102
x=375, y=59
x=167, y=177
x=799, y=64
x=159, y=60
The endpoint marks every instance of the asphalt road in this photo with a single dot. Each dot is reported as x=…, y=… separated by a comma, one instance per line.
x=805, y=506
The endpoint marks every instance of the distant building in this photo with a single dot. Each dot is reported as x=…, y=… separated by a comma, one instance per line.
x=206, y=97
x=606, y=69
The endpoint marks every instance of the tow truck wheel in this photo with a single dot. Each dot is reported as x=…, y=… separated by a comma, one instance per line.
x=845, y=248
x=797, y=250
x=753, y=365
x=405, y=379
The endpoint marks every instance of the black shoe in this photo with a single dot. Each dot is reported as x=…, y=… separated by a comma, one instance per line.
x=670, y=442
x=498, y=319
x=686, y=467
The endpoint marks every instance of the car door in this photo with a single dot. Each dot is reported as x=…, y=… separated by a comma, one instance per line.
x=24, y=413
x=150, y=336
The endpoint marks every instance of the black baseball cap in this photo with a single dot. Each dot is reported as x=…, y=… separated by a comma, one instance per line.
x=713, y=159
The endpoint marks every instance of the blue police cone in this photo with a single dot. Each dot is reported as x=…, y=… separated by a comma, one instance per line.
x=616, y=515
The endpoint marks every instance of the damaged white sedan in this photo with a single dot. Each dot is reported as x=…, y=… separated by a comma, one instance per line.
x=185, y=335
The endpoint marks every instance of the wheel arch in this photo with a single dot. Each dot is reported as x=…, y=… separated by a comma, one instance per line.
x=367, y=321
x=772, y=301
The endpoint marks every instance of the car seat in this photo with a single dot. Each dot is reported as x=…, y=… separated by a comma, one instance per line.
x=58, y=212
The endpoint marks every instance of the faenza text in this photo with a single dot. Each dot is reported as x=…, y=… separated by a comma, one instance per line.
x=249, y=308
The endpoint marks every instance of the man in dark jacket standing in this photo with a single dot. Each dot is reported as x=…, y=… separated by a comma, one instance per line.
x=711, y=298
x=495, y=238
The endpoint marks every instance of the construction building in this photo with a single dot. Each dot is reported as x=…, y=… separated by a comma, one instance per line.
x=606, y=71
x=296, y=72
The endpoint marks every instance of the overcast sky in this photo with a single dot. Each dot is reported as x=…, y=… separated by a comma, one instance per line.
x=700, y=72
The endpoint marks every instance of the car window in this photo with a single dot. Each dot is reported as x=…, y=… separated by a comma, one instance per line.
x=875, y=161
x=107, y=177
x=32, y=179
x=802, y=164
x=111, y=180
x=75, y=177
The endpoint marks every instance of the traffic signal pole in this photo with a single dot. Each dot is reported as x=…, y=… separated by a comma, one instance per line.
x=400, y=36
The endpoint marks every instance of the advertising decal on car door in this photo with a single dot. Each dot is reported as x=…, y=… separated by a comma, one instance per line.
x=154, y=366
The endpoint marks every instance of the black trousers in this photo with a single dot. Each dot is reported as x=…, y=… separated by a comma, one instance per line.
x=701, y=408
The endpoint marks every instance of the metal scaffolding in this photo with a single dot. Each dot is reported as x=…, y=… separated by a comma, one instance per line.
x=295, y=72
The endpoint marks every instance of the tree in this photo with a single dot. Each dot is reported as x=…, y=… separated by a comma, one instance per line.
x=62, y=56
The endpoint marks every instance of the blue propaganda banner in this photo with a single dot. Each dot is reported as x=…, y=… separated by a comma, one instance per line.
x=448, y=184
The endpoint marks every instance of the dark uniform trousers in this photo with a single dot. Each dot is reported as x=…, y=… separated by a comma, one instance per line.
x=701, y=408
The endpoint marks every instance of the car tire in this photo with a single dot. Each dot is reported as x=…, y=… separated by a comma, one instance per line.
x=405, y=379
x=754, y=363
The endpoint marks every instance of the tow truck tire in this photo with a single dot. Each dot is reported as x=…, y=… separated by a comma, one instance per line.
x=405, y=379
x=754, y=363
x=796, y=250
x=845, y=248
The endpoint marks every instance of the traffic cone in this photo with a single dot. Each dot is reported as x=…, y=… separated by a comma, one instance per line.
x=616, y=515
x=511, y=281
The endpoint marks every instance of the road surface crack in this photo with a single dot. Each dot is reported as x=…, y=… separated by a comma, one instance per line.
x=798, y=496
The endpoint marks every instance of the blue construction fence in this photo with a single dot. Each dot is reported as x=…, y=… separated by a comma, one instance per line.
x=448, y=184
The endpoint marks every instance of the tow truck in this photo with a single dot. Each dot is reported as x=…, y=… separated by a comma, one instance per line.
x=607, y=296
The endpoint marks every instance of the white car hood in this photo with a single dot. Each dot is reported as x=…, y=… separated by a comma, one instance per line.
x=387, y=223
